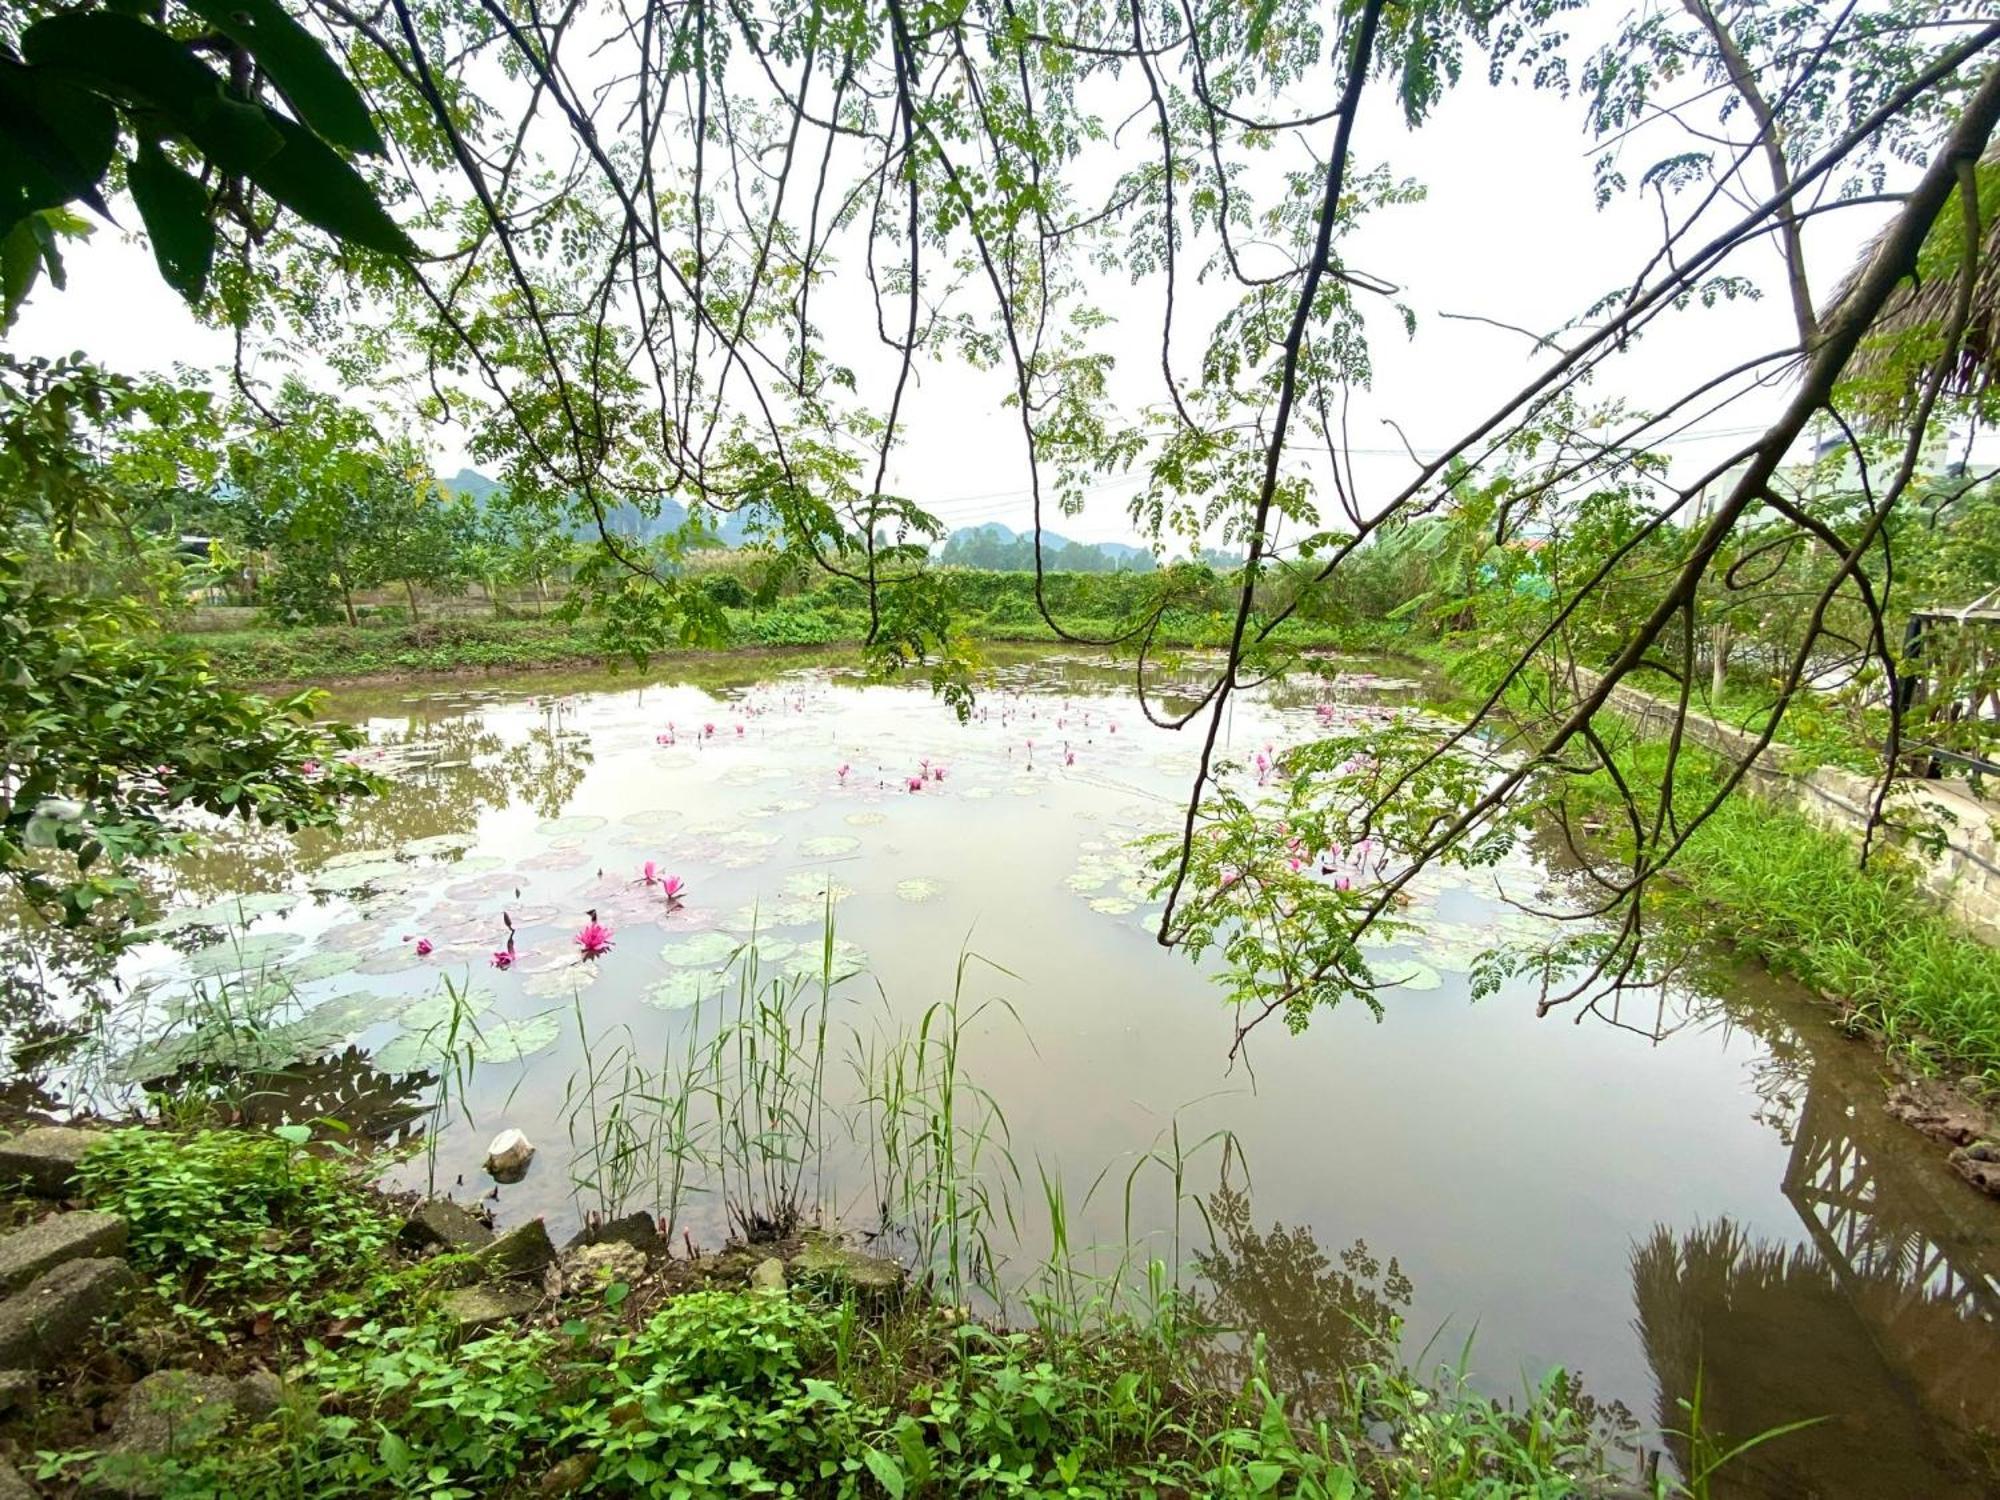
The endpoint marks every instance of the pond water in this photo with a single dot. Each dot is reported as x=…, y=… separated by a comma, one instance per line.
x=1713, y=1187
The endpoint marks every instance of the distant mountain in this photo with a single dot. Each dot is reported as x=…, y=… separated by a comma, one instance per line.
x=992, y=545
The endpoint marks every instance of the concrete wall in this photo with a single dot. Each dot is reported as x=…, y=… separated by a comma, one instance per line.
x=1963, y=877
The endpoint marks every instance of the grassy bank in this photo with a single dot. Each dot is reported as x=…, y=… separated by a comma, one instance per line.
x=680, y=1380
x=1796, y=897
x=998, y=607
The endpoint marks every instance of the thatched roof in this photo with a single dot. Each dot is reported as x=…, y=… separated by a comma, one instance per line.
x=1882, y=378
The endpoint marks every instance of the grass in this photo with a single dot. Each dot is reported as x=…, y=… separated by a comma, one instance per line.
x=725, y=1391
x=267, y=1245
x=1796, y=897
x=996, y=607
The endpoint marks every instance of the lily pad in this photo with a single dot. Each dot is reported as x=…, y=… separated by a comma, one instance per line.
x=868, y=818
x=322, y=965
x=1114, y=906
x=377, y=873
x=573, y=824
x=350, y=1015
x=561, y=983
x=436, y=1010
x=829, y=846
x=652, y=817
x=685, y=989
x=242, y=954
x=812, y=886
x=347, y=858
x=849, y=959
x=920, y=888
x=439, y=843
x=1407, y=974
x=701, y=950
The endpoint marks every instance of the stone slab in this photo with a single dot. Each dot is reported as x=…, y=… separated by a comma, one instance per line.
x=476, y=1307
x=85, y=1235
x=43, y=1158
x=41, y=1325
x=439, y=1221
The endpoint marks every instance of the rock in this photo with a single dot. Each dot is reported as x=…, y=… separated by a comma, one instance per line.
x=42, y=1325
x=769, y=1275
x=1938, y=1112
x=521, y=1251
x=508, y=1157
x=26, y=1253
x=169, y=1412
x=1979, y=1167
x=591, y=1266
x=12, y=1485
x=872, y=1278
x=43, y=1159
x=18, y=1390
x=439, y=1221
x=474, y=1307
x=259, y=1393
x=565, y=1478
x=635, y=1229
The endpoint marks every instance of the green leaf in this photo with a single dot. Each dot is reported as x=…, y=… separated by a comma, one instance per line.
x=139, y=64
x=888, y=1473
x=312, y=83
x=20, y=267
x=175, y=208
x=311, y=179
x=297, y=1135
x=55, y=143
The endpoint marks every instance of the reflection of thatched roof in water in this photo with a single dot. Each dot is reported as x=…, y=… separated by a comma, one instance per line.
x=1774, y=1339
x=1915, y=316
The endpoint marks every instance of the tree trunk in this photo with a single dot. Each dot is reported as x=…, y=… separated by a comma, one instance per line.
x=347, y=600
x=1718, y=653
x=410, y=591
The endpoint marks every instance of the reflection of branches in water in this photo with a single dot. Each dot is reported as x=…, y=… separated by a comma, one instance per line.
x=345, y=1087
x=547, y=767
x=1775, y=1337
x=1316, y=1320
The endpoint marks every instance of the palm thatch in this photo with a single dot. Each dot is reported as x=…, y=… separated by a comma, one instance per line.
x=1908, y=335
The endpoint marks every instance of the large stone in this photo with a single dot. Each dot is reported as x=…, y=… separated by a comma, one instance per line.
x=42, y=1325
x=43, y=1159
x=167, y=1414
x=475, y=1307
x=18, y=1390
x=872, y=1278
x=26, y=1253
x=635, y=1229
x=508, y=1157
x=1979, y=1164
x=12, y=1485
x=769, y=1275
x=439, y=1221
x=589, y=1267
x=521, y=1251
x=1938, y=1112
x=259, y=1393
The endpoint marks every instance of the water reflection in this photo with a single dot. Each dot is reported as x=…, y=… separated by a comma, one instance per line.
x=1317, y=1319
x=345, y=1090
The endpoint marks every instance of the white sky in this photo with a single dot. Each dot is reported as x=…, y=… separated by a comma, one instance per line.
x=1509, y=230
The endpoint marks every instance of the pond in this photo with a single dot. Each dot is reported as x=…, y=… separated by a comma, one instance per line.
x=1709, y=1188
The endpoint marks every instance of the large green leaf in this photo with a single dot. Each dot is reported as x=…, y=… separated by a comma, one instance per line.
x=142, y=66
x=175, y=208
x=56, y=142
x=311, y=82
x=311, y=179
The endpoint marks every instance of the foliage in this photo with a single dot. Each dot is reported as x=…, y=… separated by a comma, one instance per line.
x=79, y=82
x=237, y=1222
x=112, y=736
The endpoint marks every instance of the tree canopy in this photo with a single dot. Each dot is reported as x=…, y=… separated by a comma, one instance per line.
x=700, y=253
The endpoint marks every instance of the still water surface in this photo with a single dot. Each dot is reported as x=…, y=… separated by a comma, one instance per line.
x=1726, y=1196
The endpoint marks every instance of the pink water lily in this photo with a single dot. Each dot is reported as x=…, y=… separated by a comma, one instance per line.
x=916, y=783
x=842, y=772
x=672, y=887
x=423, y=948
x=650, y=873
x=594, y=939
x=937, y=773
x=739, y=728
x=708, y=731
x=503, y=958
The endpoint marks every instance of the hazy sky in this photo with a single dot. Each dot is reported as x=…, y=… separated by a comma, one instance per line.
x=1509, y=231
